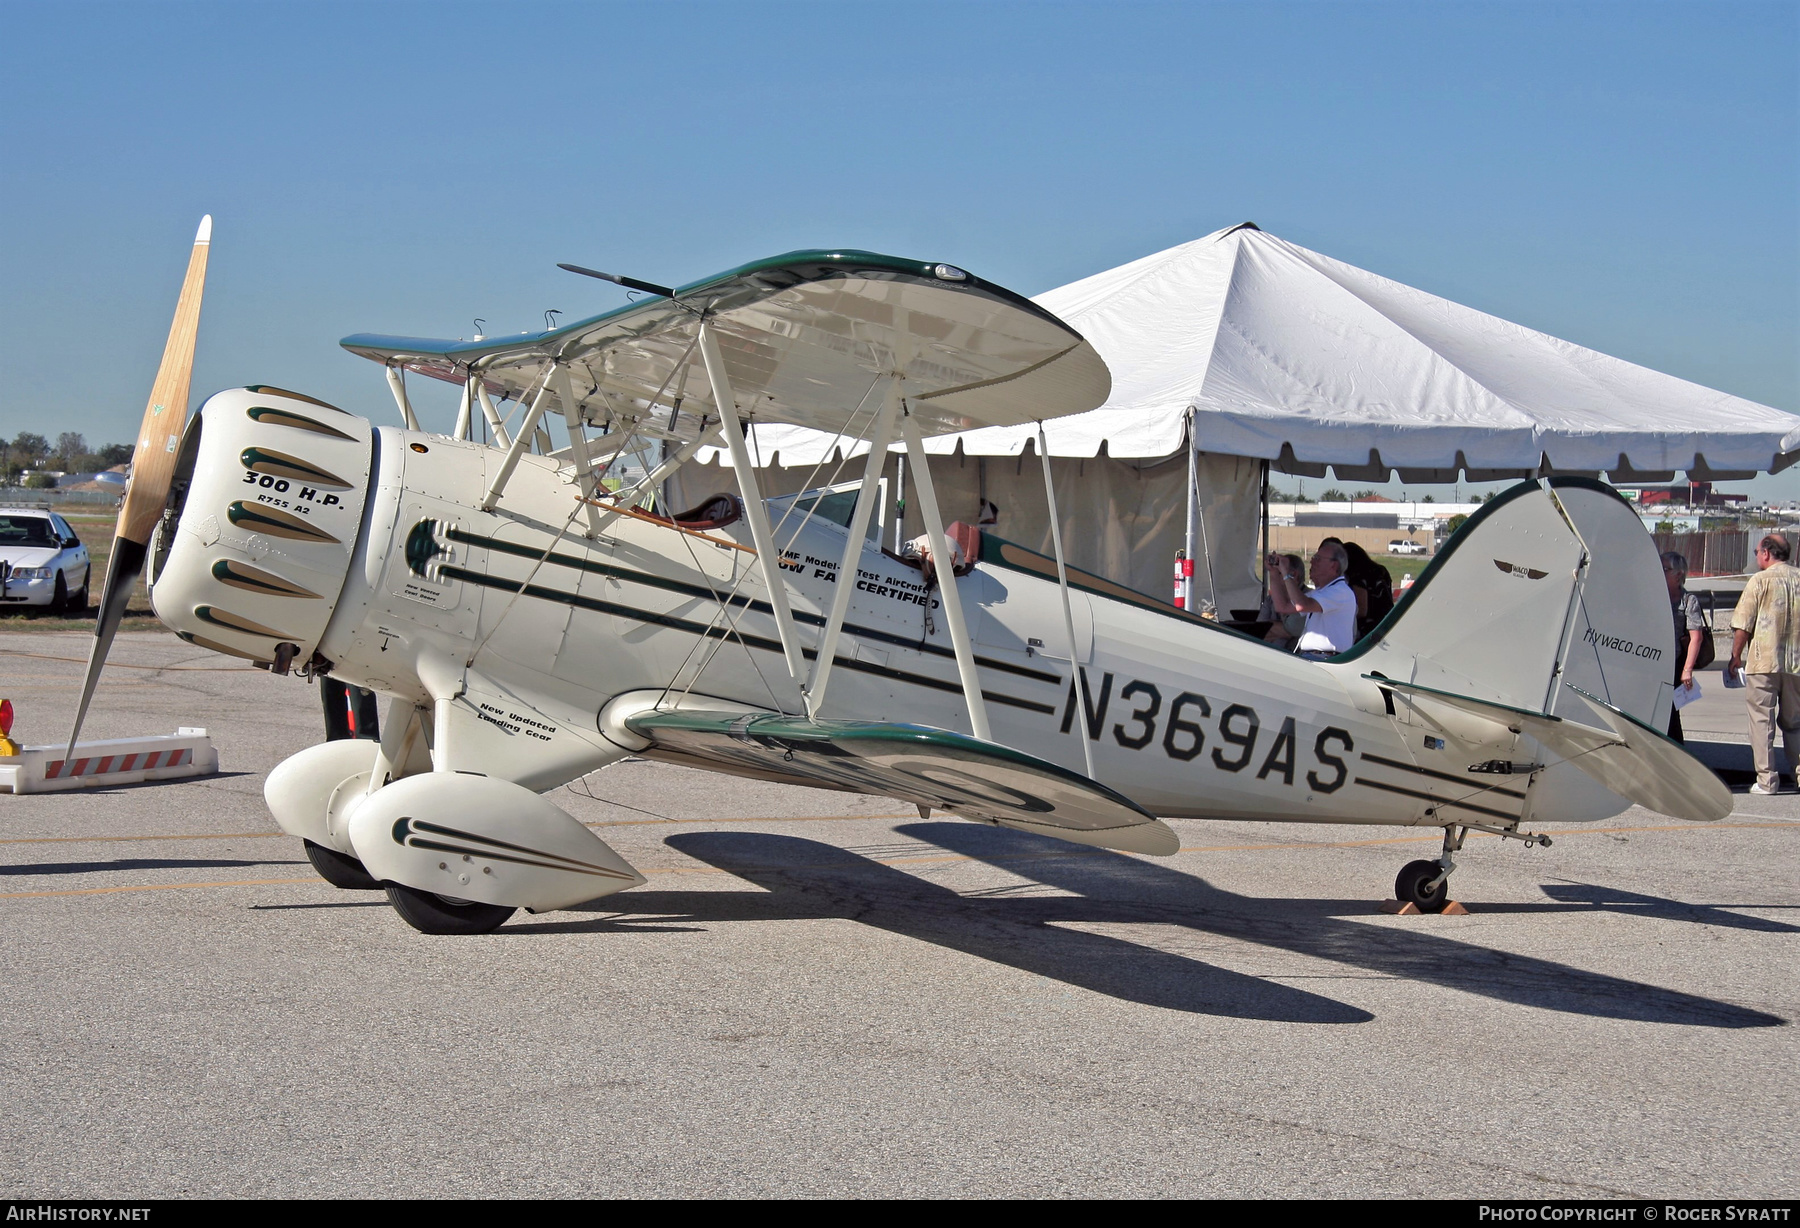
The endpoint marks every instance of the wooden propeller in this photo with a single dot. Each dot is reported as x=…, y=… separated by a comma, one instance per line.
x=152, y=469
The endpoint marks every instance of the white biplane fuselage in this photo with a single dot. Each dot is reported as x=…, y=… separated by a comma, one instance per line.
x=1186, y=719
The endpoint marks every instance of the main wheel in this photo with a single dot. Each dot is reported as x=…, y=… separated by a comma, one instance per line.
x=339, y=870
x=1414, y=886
x=438, y=914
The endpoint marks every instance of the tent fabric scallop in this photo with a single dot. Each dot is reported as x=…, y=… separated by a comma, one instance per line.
x=1285, y=354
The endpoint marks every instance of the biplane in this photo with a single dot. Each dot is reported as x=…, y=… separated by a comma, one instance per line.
x=529, y=619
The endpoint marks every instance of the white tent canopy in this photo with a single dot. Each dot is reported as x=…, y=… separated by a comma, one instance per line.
x=1285, y=355
x=1280, y=355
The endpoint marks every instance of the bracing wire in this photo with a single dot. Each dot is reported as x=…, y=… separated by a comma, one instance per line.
x=525, y=583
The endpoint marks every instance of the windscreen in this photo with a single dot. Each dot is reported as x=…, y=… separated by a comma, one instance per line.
x=26, y=531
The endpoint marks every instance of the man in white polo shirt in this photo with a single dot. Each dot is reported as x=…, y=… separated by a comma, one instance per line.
x=1330, y=607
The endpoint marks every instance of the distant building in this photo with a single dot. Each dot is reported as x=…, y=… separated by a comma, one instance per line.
x=1347, y=520
x=1686, y=494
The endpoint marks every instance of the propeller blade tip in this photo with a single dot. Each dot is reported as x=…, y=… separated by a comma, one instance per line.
x=204, y=234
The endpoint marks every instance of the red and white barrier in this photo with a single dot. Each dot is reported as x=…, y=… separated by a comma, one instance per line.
x=118, y=761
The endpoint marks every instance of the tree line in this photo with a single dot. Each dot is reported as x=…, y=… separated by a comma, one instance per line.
x=69, y=454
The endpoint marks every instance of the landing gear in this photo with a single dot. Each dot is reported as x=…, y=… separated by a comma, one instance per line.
x=339, y=870
x=1426, y=884
x=430, y=913
x=1423, y=884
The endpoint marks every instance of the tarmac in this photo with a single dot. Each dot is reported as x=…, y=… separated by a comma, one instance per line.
x=822, y=995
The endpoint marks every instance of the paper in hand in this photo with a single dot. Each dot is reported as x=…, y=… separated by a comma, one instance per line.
x=1685, y=695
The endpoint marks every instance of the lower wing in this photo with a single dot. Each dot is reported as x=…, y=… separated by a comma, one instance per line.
x=915, y=763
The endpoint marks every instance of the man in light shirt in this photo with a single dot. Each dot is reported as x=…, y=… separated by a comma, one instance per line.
x=1766, y=646
x=1330, y=607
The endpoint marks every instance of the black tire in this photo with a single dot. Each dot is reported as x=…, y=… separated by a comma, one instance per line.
x=339, y=870
x=80, y=602
x=434, y=914
x=59, y=601
x=1413, y=886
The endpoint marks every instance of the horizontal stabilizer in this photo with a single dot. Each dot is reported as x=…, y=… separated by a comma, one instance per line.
x=915, y=763
x=1626, y=755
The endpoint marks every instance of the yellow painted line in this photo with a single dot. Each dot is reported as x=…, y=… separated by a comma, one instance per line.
x=814, y=818
x=270, y=835
x=248, y=882
x=924, y=859
x=1436, y=836
x=111, y=664
x=229, y=835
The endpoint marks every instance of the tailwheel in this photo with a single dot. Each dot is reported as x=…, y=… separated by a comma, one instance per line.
x=430, y=913
x=1423, y=884
x=339, y=870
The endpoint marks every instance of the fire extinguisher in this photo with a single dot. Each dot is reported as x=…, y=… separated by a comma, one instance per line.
x=1184, y=572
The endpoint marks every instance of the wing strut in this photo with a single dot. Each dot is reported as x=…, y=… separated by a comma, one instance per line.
x=946, y=572
x=1062, y=582
x=520, y=442
x=859, y=528
x=584, y=467
x=491, y=414
x=461, y=430
x=396, y=377
x=708, y=437
x=754, y=509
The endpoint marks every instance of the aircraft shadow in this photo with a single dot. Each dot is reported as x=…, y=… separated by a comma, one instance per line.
x=806, y=879
x=133, y=863
x=1112, y=887
x=1588, y=896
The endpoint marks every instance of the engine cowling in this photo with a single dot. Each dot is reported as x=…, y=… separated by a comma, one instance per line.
x=262, y=524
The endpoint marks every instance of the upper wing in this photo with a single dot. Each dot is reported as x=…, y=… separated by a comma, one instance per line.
x=804, y=336
x=916, y=763
x=1627, y=756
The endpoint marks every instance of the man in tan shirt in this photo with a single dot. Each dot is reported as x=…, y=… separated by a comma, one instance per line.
x=1767, y=623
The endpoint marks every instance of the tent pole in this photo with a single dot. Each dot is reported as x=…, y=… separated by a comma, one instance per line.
x=1198, y=512
x=1193, y=485
x=1076, y=676
x=1212, y=584
x=1265, y=531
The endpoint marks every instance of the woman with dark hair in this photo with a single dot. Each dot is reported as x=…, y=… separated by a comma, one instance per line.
x=1370, y=581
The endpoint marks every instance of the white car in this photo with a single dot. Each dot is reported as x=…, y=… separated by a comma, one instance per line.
x=42, y=562
x=1402, y=546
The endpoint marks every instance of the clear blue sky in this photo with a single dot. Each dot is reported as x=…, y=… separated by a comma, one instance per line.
x=1622, y=175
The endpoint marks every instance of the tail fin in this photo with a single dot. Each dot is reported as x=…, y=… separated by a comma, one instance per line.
x=1550, y=585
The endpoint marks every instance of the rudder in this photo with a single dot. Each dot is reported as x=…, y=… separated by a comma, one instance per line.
x=1549, y=582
